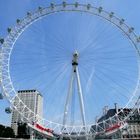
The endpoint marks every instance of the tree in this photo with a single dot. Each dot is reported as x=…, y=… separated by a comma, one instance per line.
x=23, y=131
x=8, y=132
x=2, y=128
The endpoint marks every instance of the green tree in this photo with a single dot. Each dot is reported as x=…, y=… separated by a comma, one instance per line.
x=2, y=128
x=8, y=132
x=23, y=131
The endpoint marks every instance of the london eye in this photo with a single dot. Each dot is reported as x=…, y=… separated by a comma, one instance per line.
x=80, y=58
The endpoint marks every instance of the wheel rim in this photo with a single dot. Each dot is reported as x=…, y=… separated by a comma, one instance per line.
x=19, y=28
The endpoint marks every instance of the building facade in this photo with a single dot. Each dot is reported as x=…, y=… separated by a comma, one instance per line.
x=33, y=100
x=133, y=128
x=130, y=131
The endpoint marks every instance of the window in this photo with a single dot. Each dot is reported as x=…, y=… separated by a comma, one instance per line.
x=134, y=131
x=130, y=131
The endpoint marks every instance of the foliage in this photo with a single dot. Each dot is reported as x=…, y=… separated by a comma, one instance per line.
x=23, y=131
x=6, y=132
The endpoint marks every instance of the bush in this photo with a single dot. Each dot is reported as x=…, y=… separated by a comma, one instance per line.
x=6, y=132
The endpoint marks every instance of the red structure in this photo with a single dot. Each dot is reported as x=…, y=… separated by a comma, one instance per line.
x=115, y=126
x=38, y=126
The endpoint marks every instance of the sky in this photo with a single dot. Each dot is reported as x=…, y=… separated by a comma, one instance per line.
x=53, y=31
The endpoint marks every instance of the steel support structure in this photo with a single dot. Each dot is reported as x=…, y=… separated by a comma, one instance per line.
x=21, y=25
x=75, y=75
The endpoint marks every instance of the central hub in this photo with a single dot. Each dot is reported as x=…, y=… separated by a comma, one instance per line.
x=75, y=60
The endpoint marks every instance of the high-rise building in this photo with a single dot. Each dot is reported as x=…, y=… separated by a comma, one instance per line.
x=33, y=100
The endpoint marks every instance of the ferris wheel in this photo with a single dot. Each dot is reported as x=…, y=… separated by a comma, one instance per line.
x=80, y=58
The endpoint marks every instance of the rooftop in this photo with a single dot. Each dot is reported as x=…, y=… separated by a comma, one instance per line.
x=29, y=91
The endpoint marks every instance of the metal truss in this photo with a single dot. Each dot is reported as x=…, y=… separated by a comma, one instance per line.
x=7, y=45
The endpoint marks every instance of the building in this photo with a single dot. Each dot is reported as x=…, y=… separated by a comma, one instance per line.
x=33, y=100
x=131, y=130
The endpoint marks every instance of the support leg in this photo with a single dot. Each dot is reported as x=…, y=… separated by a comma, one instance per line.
x=80, y=97
x=69, y=95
